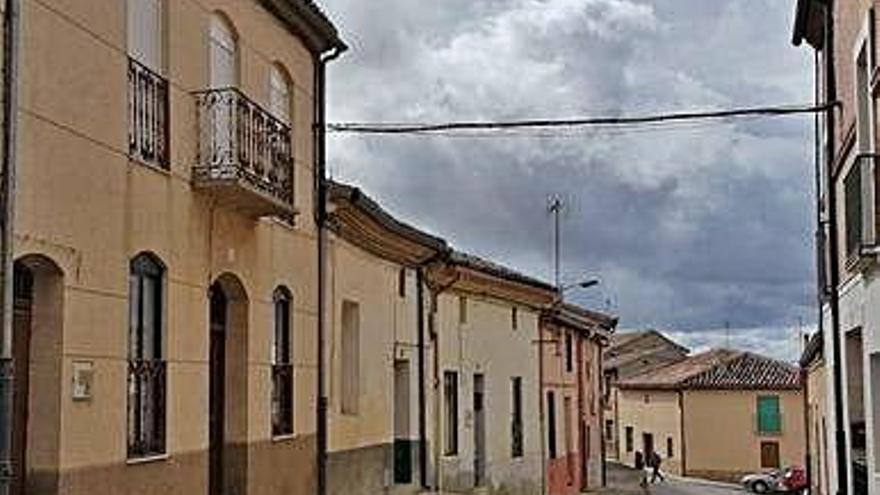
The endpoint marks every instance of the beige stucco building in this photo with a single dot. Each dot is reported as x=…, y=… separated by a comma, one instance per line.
x=816, y=402
x=718, y=414
x=630, y=354
x=165, y=273
x=482, y=414
x=377, y=347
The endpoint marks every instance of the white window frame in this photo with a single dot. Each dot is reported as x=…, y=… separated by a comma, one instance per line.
x=863, y=97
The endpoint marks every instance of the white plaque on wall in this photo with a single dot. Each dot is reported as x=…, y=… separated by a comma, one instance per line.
x=83, y=380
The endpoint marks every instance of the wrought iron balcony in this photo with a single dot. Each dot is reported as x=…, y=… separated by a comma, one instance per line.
x=244, y=155
x=147, y=115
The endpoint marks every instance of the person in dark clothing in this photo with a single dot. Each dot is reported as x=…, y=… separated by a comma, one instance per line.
x=655, y=463
x=640, y=465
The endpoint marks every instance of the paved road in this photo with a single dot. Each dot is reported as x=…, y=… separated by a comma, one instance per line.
x=693, y=487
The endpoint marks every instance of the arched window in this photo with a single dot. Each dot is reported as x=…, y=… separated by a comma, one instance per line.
x=223, y=54
x=282, y=367
x=279, y=93
x=146, y=365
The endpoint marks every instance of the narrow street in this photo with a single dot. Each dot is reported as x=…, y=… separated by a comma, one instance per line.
x=624, y=481
x=690, y=487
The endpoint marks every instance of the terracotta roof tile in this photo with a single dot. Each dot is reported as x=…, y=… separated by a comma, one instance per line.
x=722, y=369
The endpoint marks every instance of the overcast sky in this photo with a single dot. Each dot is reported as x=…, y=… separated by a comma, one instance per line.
x=689, y=228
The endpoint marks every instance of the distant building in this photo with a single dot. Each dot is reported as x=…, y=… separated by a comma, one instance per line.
x=816, y=399
x=571, y=387
x=628, y=355
x=718, y=414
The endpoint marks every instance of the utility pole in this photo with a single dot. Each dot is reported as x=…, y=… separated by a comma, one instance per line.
x=555, y=208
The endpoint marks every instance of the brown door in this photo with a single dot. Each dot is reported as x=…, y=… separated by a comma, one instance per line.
x=647, y=445
x=217, y=390
x=585, y=454
x=769, y=454
x=21, y=329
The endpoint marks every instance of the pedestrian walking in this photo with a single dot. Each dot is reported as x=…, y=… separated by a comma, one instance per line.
x=656, y=461
x=640, y=466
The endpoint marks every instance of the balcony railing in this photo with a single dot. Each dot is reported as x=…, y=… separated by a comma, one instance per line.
x=147, y=115
x=244, y=153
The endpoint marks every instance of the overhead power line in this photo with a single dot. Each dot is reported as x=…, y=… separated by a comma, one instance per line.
x=555, y=124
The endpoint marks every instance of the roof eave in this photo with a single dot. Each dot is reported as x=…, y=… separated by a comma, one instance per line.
x=808, y=23
x=306, y=21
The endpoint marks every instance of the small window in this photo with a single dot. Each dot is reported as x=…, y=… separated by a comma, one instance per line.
x=462, y=309
x=514, y=323
x=282, y=368
x=629, y=439
x=609, y=429
x=401, y=282
x=516, y=433
x=350, y=357
x=146, y=367
x=647, y=398
x=450, y=395
x=853, y=209
x=769, y=418
x=551, y=424
x=669, y=451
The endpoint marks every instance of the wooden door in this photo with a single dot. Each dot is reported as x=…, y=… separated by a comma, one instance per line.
x=217, y=391
x=769, y=454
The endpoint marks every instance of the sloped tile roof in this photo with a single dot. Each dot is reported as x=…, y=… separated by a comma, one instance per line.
x=484, y=265
x=747, y=371
x=720, y=369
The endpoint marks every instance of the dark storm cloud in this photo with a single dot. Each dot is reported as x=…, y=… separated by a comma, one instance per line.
x=688, y=228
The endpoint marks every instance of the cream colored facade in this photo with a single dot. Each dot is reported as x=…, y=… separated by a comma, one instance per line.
x=650, y=412
x=713, y=433
x=741, y=452
x=85, y=209
x=487, y=344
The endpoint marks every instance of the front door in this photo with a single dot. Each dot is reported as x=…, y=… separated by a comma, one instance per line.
x=769, y=454
x=647, y=445
x=479, y=430
x=23, y=283
x=217, y=390
x=402, y=444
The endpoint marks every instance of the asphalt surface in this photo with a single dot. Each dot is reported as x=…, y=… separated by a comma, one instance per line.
x=693, y=487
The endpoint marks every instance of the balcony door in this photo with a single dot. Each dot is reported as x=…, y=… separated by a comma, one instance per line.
x=222, y=75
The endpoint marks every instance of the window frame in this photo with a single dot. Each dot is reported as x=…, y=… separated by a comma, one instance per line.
x=146, y=394
x=281, y=402
x=278, y=73
x=762, y=428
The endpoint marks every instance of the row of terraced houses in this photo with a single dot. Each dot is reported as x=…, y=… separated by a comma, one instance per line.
x=194, y=309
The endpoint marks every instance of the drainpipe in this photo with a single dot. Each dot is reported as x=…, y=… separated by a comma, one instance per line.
x=600, y=375
x=423, y=434
x=834, y=255
x=7, y=198
x=541, y=419
x=319, y=136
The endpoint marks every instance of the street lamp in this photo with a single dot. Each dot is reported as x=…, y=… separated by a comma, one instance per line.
x=583, y=284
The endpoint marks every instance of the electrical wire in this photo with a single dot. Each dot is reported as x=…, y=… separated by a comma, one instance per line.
x=554, y=126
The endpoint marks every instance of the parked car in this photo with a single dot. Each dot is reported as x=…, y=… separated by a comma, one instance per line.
x=789, y=479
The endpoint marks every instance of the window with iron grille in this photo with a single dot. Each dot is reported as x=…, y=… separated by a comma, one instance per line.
x=146, y=367
x=147, y=88
x=282, y=369
x=853, y=209
x=516, y=430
